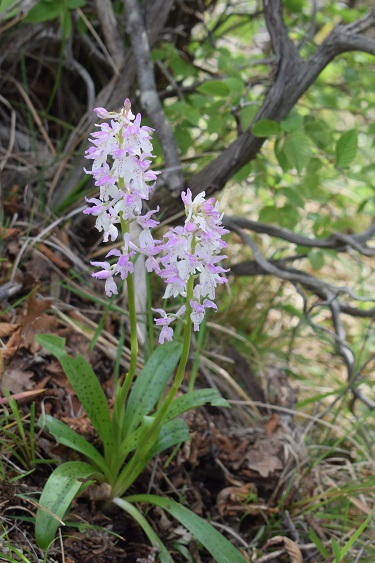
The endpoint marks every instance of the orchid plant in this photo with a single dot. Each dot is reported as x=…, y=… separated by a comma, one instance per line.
x=145, y=419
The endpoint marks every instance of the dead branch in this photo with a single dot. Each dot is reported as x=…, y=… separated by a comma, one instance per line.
x=338, y=241
x=149, y=96
x=113, y=39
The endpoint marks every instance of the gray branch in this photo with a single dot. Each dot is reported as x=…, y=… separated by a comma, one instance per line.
x=113, y=39
x=149, y=95
x=337, y=241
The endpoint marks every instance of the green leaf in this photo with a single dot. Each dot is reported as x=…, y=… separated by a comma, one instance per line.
x=215, y=88
x=298, y=150
x=173, y=432
x=66, y=24
x=62, y=486
x=318, y=132
x=236, y=88
x=68, y=437
x=336, y=550
x=269, y=214
x=346, y=148
x=45, y=11
x=195, y=399
x=293, y=122
x=266, y=128
x=54, y=344
x=217, y=545
x=74, y=4
x=281, y=156
x=6, y=6
x=243, y=172
x=150, y=384
x=86, y=385
x=137, y=515
x=316, y=259
x=247, y=115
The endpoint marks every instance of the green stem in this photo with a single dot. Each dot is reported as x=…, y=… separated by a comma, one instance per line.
x=133, y=339
x=184, y=357
x=137, y=462
x=122, y=391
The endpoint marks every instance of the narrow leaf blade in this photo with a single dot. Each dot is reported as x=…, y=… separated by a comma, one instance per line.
x=150, y=384
x=217, y=545
x=62, y=486
x=86, y=385
x=68, y=437
x=195, y=399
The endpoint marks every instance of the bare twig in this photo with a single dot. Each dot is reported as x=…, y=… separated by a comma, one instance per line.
x=149, y=96
x=338, y=241
x=293, y=276
x=113, y=39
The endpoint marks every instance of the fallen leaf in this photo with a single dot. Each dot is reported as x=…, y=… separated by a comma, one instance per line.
x=264, y=457
x=18, y=380
x=22, y=397
x=33, y=320
x=6, y=233
x=290, y=546
x=6, y=329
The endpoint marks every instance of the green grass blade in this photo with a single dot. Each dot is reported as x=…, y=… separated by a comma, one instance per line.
x=63, y=485
x=216, y=544
x=356, y=535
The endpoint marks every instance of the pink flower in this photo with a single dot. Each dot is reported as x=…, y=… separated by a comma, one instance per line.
x=106, y=274
x=194, y=250
x=165, y=320
x=121, y=152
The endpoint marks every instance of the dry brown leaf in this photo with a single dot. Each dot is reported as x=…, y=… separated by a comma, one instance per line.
x=264, y=457
x=233, y=499
x=6, y=233
x=18, y=380
x=23, y=397
x=59, y=262
x=272, y=424
x=290, y=546
x=34, y=320
x=6, y=329
x=10, y=348
x=7, y=354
